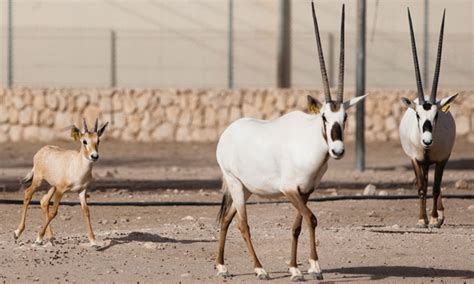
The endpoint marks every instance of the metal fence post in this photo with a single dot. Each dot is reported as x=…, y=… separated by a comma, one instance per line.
x=360, y=84
x=113, y=59
x=10, y=45
x=284, y=45
x=230, y=46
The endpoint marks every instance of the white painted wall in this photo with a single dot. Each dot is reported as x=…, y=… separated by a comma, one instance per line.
x=170, y=43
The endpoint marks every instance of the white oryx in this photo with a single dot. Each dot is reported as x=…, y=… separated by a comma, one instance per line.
x=284, y=157
x=427, y=133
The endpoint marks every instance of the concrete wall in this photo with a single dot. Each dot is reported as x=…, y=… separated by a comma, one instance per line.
x=150, y=115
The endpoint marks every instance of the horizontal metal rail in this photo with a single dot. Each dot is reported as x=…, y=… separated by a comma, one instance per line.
x=213, y=203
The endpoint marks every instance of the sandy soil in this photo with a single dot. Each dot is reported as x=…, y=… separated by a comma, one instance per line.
x=359, y=240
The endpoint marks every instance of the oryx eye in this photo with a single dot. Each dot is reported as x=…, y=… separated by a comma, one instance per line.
x=324, y=119
x=436, y=116
x=84, y=142
x=345, y=117
x=417, y=116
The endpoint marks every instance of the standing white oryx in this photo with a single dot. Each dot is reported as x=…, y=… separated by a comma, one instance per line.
x=64, y=170
x=427, y=133
x=287, y=156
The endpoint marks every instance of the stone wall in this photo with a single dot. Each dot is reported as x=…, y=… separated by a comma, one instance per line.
x=189, y=115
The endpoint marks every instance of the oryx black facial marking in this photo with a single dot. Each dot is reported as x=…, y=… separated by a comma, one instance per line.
x=427, y=126
x=427, y=106
x=336, y=132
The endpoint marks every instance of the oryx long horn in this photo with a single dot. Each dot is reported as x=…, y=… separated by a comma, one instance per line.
x=96, y=125
x=421, y=96
x=85, y=125
x=324, y=74
x=434, y=89
x=340, y=86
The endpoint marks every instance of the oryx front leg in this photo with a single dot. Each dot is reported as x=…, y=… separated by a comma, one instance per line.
x=87, y=218
x=300, y=204
x=54, y=211
x=296, y=274
x=45, y=207
x=421, y=173
x=437, y=213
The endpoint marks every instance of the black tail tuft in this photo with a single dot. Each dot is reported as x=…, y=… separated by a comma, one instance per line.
x=226, y=203
x=27, y=180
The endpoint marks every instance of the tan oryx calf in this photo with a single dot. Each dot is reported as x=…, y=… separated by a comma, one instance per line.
x=283, y=157
x=64, y=170
x=427, y=133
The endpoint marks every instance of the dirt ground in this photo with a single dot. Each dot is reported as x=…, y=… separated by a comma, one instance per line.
x=359, y=240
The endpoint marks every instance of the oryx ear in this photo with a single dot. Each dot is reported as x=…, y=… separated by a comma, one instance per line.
x=353, y=101
x=75, y=133
x=408, y=103
x=314, y=106
x=102, y=129
x=448, y=100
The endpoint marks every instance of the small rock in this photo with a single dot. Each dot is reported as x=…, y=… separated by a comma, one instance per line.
x=65, y=217
x=396, y=226
x=370, y=189
x=124, y=220
x=103, y=222
x=185, y=275
x=383, y=193
x=461, y=184
x=471, y=207
x=373, y=214
x=150, y=245
x=188, y=218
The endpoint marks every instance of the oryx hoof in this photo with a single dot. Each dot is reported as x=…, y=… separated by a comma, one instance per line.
x=222, y=271
x=296, y=275
x=316, y=275
x=436, y=223
x=261, y=274
x=16, y=235
x=422, y=224
x=38, y=242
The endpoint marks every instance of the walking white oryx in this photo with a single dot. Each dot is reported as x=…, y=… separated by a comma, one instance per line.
x=284, y=157
x=64, y=170
x=427, y=133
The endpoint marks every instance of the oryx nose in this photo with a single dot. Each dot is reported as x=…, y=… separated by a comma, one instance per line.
x=94, y=157
x=338, y=153
x=427, y=142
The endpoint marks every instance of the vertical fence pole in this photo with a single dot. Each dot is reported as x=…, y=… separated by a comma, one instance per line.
x=360, y=84
x=10, y=45
x=230, y=46
x=426, y=51
x=284, y=45
x=113, y=59
x=331, y=59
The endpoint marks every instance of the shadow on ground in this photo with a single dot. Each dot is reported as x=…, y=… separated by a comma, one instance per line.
x=382, y=272
x=144, y=237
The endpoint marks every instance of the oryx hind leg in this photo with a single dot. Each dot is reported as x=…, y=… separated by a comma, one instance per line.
x=54, y=211
x=437, y=213
x=45, y=207
x=299, y=203
x=224, y=226
x=239, y=196
x=28, y=195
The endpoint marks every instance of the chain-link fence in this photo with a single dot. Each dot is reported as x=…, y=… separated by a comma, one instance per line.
x=178, y=48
